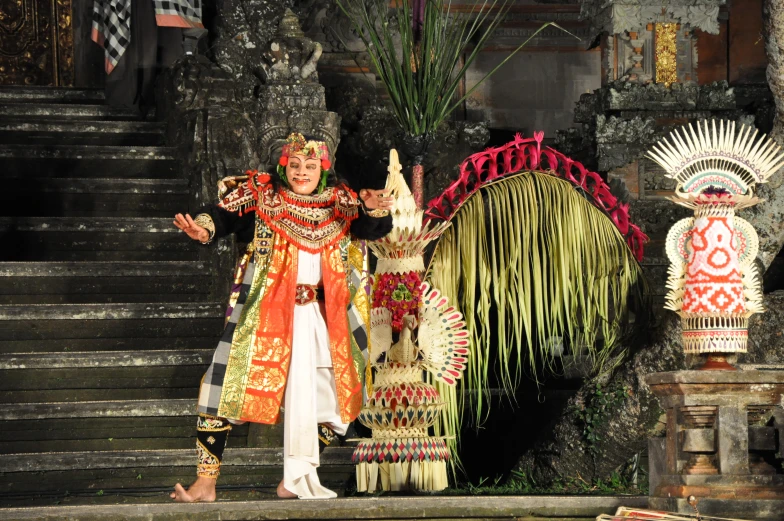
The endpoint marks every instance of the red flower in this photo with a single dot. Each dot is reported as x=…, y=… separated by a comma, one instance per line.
x=400, y=293
x=325, y=164
x=284, y=160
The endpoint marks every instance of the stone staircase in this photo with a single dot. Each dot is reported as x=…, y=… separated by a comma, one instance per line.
x=107, y=322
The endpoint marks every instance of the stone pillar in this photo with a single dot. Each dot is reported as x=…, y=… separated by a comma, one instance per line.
x=732, y=428
x=672, y=446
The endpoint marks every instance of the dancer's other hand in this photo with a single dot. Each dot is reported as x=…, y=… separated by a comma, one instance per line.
x=193, y=230
x=376, y=199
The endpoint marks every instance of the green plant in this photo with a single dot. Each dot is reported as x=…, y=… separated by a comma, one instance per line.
x=522, y=483
x=596, y=410
x=422, y=69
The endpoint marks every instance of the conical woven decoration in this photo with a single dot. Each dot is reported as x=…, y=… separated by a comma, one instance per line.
x=713, y=283
x=401, y=407
x=402, y=249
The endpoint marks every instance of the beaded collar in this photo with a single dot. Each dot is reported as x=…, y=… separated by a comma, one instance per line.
x=311, y=222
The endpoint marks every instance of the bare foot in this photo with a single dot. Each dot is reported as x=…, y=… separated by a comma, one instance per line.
x=202, y=490
x=284, y=493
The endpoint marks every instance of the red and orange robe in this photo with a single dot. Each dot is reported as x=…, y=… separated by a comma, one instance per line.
x=247, y=378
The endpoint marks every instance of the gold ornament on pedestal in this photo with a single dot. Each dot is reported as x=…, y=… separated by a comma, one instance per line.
x=714, y=285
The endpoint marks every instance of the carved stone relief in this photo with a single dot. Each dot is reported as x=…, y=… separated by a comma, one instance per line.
x=634, y=56
x=36, y=42
x=618, y=16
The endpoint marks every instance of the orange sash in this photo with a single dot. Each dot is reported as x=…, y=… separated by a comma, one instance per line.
x=270, y=354
x=337, y=297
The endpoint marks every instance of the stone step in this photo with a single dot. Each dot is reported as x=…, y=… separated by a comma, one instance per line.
x=86, y=152
x=235, y=457
x=84, y=360
x=60, y=197
x=88, y=167
x=92, y=282
x=208, y=338
x=83, y=426
x=436, y=507
x=88, y=161
x=97, y=238
x=51, y=95
x=97, y=185
x=66, y=132
x=110, y=311
x=98, y=409
x=68, y=111
x=59, y=324
x=144, y=469
x=105, y=434
x=86, y=376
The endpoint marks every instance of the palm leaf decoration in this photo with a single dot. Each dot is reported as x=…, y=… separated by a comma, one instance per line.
x=533, y=254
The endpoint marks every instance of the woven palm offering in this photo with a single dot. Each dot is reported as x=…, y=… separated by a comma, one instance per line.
x=713, y=282
x=413, y=331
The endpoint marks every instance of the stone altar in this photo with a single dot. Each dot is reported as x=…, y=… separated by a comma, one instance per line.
x=724, y=444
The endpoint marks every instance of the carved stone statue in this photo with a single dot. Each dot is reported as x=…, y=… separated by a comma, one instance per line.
x=290, y=57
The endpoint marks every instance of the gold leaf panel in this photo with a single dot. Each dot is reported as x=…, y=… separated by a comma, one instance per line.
x=666, y=54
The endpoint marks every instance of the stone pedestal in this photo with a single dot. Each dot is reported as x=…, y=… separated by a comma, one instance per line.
x=725, y=431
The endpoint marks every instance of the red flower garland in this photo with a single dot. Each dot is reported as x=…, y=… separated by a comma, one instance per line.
x=398, y=292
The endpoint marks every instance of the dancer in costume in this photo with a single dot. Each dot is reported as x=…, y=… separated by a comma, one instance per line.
x=289, y=341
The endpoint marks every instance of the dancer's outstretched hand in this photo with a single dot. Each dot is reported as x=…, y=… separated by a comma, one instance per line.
x=194, y=231
x=376, y=199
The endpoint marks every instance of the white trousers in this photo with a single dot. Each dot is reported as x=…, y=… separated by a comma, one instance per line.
x=311, y=394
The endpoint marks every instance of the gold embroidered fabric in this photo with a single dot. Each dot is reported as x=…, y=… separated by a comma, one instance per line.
x=347, y=374
x=208, y=465
x=233, y=388
x=271, y=349
x=257, y=367
x=258, y=361
x=356, y=261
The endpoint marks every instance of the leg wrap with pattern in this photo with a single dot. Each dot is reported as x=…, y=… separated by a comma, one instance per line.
x=211, y=436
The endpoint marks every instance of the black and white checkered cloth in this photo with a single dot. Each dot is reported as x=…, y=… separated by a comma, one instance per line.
x=187, y=11
x=112, y=23
x=112, y=29
x=212, y=384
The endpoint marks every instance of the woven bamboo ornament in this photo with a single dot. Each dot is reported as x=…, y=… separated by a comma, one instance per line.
x=409, y=237
x=431, y=336
x=713, y=283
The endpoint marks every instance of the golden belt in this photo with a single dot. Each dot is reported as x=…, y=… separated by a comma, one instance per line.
x=308, y=293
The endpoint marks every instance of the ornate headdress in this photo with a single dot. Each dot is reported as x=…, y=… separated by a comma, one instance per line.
x=297, y=144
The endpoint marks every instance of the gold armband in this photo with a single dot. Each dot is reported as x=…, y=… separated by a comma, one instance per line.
x=205, y=221
x=378, y=212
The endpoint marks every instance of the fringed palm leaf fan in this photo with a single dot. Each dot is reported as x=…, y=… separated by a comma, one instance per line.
x=538, y=250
